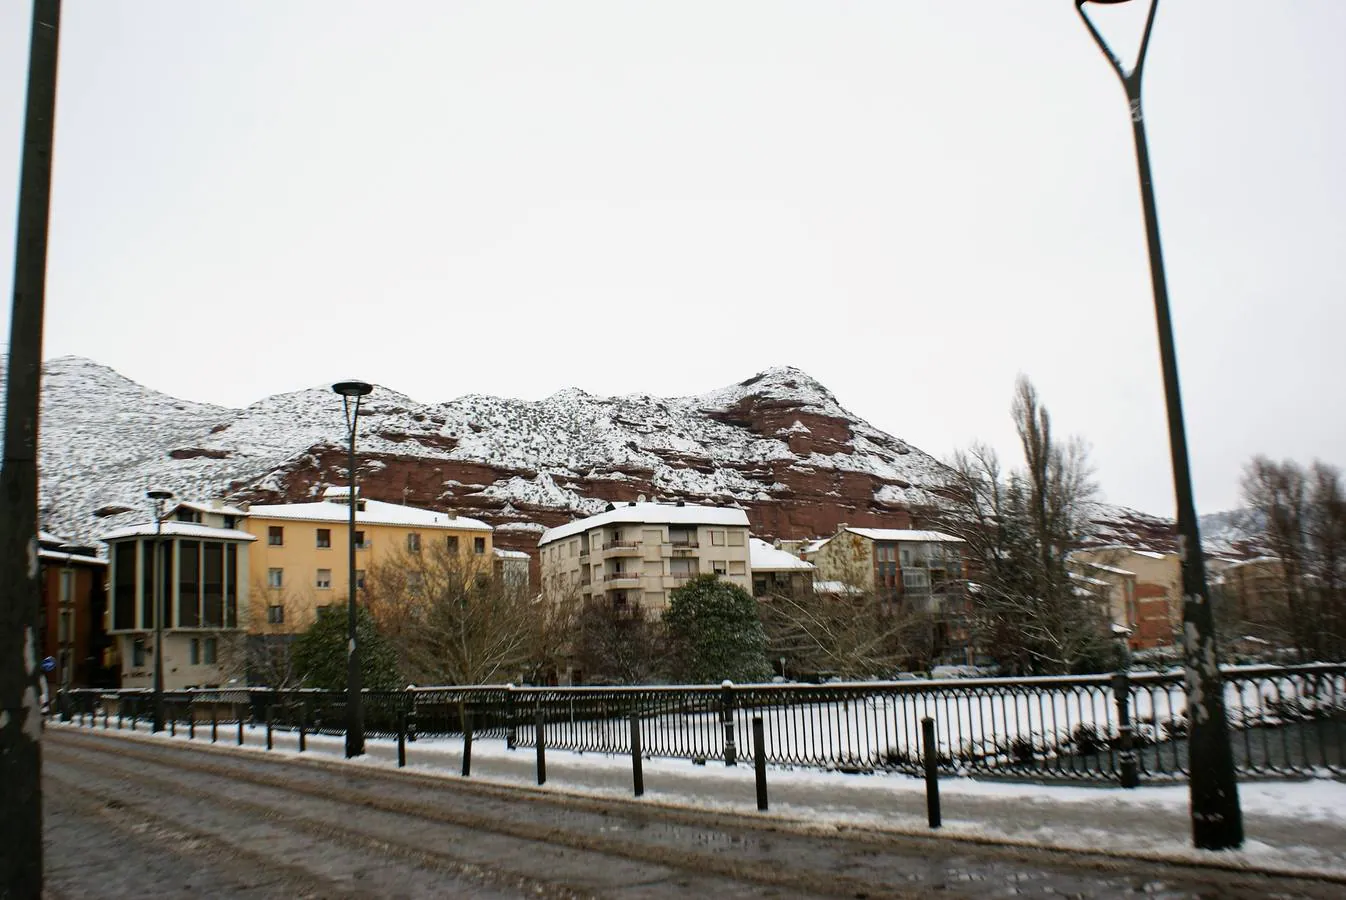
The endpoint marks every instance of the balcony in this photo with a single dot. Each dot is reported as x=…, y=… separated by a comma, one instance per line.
x=621, y=579
x=621, y=548
x=683, y=547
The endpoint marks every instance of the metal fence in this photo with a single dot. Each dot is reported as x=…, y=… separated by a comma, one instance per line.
x=1284, y=720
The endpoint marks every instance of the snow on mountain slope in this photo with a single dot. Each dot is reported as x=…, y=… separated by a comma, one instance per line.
x=779, y=445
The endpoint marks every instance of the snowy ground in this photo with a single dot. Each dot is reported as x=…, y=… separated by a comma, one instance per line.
x=1291, y=826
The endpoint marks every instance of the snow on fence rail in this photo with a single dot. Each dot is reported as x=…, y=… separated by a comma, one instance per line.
x=1284, y=720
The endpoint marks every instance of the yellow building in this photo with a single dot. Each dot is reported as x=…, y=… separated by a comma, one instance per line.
x=299, y=563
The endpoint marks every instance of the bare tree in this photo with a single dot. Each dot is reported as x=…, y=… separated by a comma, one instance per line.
x=1019, y=528
x=616, y=645
x=850, y=633
x=1304, y=516
x=451, y=621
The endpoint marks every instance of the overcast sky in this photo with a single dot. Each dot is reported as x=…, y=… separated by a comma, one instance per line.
x=912, y=201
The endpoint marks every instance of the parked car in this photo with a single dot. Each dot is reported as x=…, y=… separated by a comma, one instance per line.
x=945, y=672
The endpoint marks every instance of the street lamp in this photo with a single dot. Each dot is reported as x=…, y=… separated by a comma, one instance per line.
x=159, y=498
x=1217, y=823
x=351, y=392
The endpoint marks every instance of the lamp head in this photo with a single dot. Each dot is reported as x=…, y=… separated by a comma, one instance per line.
x=353, y=388
x=158, y=494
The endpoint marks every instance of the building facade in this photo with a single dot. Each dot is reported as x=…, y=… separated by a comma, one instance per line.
x=1154, y=608
x=203, y=592
x=637, y=553
x=74, y=608
x=920, y=568
x=777, y=572
x=300, y=563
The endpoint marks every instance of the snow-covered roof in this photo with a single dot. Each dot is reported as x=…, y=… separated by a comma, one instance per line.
x=834, y=587
x=903, y=534
x=650, y=514
x=1085, y=579
x=766, y=558
x=179, y=529
x=217, y=507
x=815, y=545
x=375, y=512
x=59, y=556
x=1114, y=570
x=509, y=554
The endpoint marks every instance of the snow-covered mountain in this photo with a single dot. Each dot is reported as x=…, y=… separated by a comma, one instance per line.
x=779, y=444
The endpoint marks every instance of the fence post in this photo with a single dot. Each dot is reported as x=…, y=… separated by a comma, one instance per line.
x=402, y=739
x=759, y=760
x=511, y=738
x=214, y=721
x=1129, y=774
x=727, y=721
x=541, y=746
x=120, y=703
x=240, y=728
x=467, y=743
x=411, y=720
x=931, y=771
x=269, y=716
x=637, y=767
x=191, y=723
x=302, y=737
x=105, y=717
x=134, y=713
x=173, y=724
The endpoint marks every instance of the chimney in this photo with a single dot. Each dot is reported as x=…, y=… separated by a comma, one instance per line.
x=841, y=527
x=681, y=503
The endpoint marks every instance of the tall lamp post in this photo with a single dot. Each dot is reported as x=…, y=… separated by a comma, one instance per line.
x=1217, y=822
x=20, y=593
x=159, y=498
x=351, y=392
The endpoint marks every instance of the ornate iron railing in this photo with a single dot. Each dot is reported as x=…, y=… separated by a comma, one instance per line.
x=1284, y=720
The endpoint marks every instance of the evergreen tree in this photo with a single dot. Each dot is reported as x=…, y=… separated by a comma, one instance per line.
x=319, y=653
x=714, y=633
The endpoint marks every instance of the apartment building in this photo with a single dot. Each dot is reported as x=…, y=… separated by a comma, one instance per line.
x=636, y=553
x=1154, y=608
x=74, y=606
x=919, y=567
x=203, y=598
x=300, y=562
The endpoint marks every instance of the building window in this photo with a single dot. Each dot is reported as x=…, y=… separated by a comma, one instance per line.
x=414, y=542
x=360, y=541
x=738, y=567
x=324, y=579
x=275, y=615
x=209, y=645
x=574, y=549
x=736, y=539
x=415, y=579
x=917, y=582
x=67, y=586
x=479, y=546
x=719, y=567
x=324, y=537
x=275, y=578
x=138, y=653
x=451, y=542
x=231, y=522
x=195, y=654
x=65, y=628
x=717, y=538
x=275, y=535
x=360, y=579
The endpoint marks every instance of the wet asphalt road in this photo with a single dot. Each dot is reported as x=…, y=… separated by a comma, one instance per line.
x=136, y=818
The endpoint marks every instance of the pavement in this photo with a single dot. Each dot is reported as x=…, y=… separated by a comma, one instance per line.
x=1291, y=827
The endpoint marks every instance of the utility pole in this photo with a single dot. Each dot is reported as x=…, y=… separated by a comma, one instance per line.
x=20, y=593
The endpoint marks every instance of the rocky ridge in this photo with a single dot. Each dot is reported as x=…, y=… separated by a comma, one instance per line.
x=779, y=445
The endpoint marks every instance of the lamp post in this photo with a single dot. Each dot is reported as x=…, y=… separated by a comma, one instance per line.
x=1217, y=822
x=158, y=497
x=351, y=392
x=20, y=591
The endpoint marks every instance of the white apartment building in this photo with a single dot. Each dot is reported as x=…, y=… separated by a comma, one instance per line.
x=638, y=552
